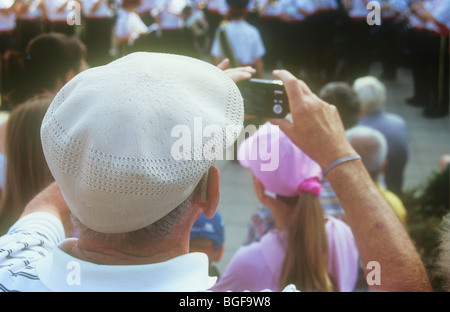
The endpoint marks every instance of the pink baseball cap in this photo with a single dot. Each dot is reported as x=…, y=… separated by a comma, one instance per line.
x=279, y=164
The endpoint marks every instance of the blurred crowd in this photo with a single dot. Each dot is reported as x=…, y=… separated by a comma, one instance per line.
x=319, y=41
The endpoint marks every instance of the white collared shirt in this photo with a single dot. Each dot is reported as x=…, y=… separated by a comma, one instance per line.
x=33, y=258
x=218, y=6
x=358, y=9
x=273, y=9
x=129, y=25
x=440, y=9
x=34, y=11
x=245, y=40
x=325, y=5
x=7, y=22
x=52, y=10
x=147, y=6
x=394, y=7
x=441, y=12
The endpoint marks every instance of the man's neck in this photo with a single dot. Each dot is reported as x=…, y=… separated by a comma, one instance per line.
x=99, y=254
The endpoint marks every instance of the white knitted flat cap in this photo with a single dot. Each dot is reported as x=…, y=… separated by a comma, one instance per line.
x=107, y=136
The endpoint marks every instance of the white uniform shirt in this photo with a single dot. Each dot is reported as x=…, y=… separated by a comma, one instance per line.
x=394, y=7
x=273, y=9
x=358, y=9
x=147, y=6
x=52, y=10
x=245, y=40
x=34, y=11
x=33, y=257
x=103, y=9
x=218, y=6
x=170, y=16
x=325, y=5
x=129, y=25
x=440, y=9
x=290, y=8
x=441, y=12
x=7, y=22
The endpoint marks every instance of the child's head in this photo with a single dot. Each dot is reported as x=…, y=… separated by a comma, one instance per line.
x=208, y=236
x=282, y=168
x=288, y=182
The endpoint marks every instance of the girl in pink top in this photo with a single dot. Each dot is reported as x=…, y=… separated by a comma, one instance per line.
x=312, y=251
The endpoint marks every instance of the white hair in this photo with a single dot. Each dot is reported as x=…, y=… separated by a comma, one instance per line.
x=371, y=145
x=371, y=94
x=160, y=230
x=443, y=262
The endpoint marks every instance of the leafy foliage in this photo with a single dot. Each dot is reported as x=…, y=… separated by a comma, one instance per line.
x=427, y=205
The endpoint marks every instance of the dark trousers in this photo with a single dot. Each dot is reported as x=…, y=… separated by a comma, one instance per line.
x=294, y=47
x=60, y=27
x=97, y=38
x=177, y=41
x=26, y=30
x=270, y=29
x=358, y=53
x=391, y=45
x=322, y=46
x=6, y=41
x=214, y=20
x=430, y=68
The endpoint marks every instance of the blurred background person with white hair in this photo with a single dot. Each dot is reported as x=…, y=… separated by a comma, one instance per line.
x=372, y=97
x=372, y=146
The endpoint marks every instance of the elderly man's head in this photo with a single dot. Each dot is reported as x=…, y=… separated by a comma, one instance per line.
x=371, y=94
x=109, y=139
x=371, y=145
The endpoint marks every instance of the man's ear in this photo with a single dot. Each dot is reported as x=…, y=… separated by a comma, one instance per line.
x=209, y=193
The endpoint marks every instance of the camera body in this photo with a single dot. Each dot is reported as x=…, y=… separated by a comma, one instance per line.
x=264, y=98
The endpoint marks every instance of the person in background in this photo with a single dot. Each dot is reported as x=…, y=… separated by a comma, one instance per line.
x=98, y=30
x=27, y=172
x=444, y=162
x=29, y=22
x=56, y=14
x=215, y=12
x=270, y=26
x=129, y=27
x=50, y=61
x=358, y=53
x=7, y=24
x=306, y=248
x=391, y=40
x=341, y=95
x=429, y=41
x=240, y=38
x=372, y=98
x=372, y=146
x=175, y=37
x=208, y=236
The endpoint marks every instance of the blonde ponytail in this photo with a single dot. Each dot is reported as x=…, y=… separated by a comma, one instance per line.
x=307, y=256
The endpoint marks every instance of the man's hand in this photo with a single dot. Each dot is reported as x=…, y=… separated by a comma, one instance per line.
x=317, y=128
x=237, y=74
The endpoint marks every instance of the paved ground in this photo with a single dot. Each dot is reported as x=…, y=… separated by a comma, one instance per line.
x=430, y=138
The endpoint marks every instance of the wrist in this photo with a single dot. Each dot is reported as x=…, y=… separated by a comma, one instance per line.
x=340, y=161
